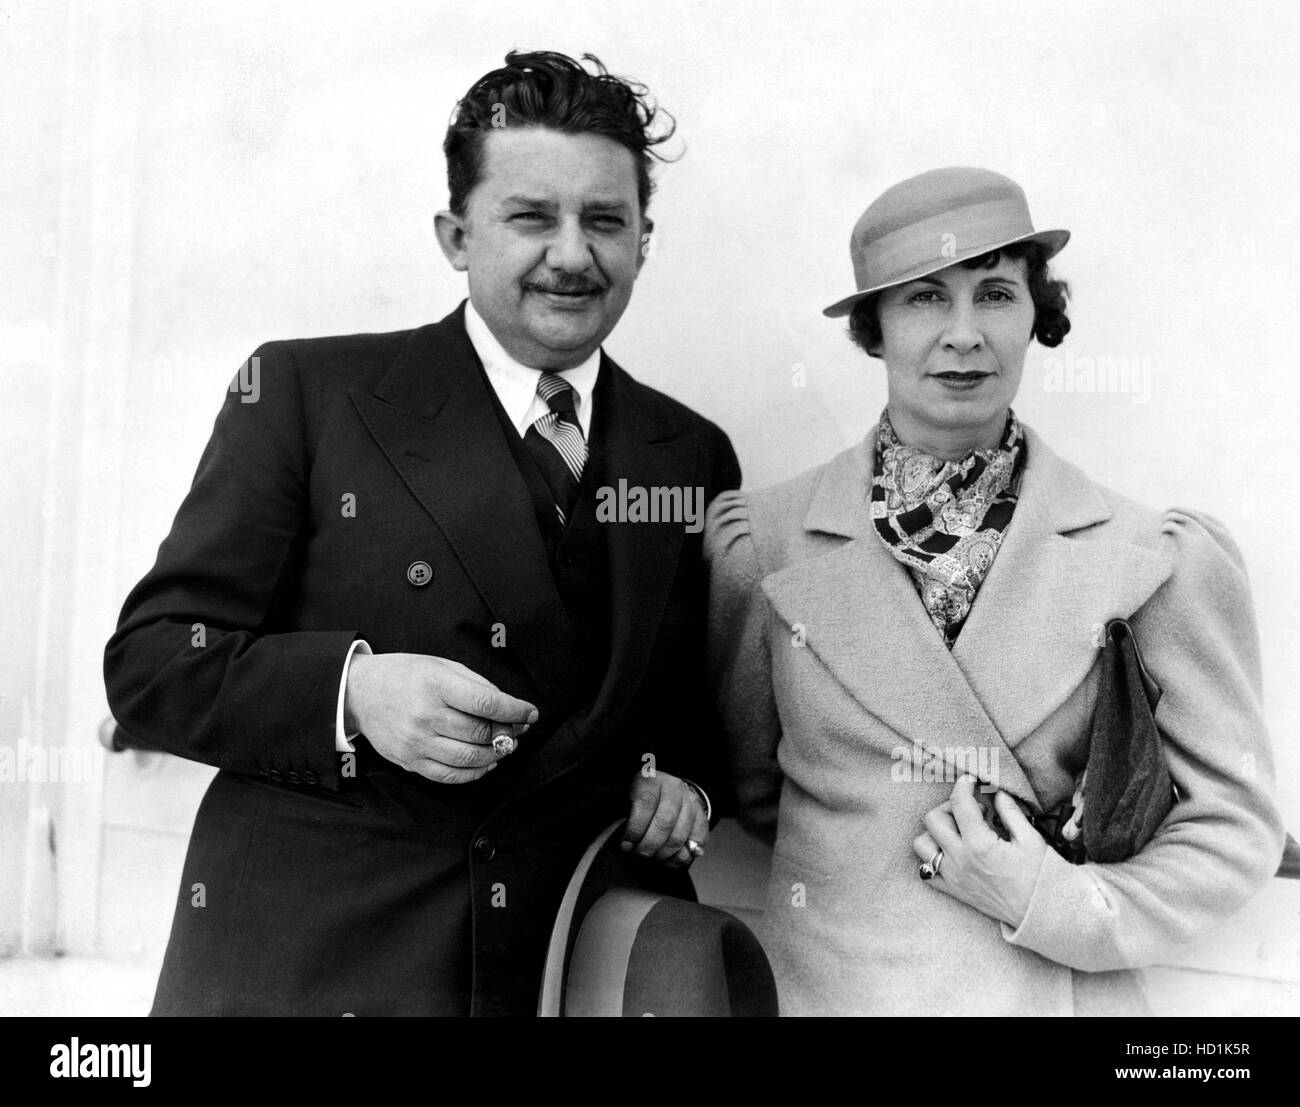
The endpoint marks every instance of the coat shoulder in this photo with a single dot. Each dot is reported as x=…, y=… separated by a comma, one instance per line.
x=349, y=360
x=766, y=530
x=1191, y=540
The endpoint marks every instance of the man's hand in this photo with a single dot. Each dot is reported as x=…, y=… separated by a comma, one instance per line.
x=430, y=715
x=666, y=813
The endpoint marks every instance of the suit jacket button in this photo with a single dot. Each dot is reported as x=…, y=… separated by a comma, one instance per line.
x=419, y=573
x=484, y=849
x=275, y=775
x=294, y=778
x=310, y=777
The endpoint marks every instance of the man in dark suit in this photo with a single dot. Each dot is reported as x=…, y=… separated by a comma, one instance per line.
x=403, y=612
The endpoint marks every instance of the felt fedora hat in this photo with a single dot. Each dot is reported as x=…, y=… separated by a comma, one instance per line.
x=619, y=950
x=934, y=220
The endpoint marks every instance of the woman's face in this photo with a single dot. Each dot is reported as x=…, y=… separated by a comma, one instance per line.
x=954, y=347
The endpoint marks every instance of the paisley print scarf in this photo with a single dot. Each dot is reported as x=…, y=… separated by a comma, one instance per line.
x=945, y=520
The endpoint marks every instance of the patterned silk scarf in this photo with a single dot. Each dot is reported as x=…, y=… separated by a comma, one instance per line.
x=945, y=520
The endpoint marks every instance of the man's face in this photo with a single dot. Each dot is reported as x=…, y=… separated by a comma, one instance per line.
x=551, y=240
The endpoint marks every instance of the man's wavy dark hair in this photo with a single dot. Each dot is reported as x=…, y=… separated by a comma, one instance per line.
x=1050, y=296
x=546, y=89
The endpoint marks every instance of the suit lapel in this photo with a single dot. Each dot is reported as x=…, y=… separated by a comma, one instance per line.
x=647, y=449
x=433, y=418
x=642, y=445
x=1031, y=637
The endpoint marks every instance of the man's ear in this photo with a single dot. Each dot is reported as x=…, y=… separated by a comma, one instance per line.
x=646, y=247
x=450, y=229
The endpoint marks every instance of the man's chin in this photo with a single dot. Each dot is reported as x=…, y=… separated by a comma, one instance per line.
x=569, y=336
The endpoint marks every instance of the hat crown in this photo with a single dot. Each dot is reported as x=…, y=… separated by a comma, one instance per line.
x=937, y=219
x=935, y=193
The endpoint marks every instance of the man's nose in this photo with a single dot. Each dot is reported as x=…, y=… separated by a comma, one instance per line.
x=570, y=249
x=962, y=332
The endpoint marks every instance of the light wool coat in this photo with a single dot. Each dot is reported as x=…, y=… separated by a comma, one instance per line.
x=848, y=720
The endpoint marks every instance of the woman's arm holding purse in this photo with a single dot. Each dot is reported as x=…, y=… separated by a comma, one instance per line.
x=1221, y=842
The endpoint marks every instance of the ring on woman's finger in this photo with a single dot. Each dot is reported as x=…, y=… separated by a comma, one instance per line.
x=694, y=847
x=503, y=745
x=930, y=869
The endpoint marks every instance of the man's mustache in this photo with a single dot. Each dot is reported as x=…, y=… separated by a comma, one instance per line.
x=571, y=287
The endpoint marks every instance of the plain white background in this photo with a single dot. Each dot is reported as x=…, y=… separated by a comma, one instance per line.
x=183, y=181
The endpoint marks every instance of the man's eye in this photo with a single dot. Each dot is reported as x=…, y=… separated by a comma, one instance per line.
x=527, y=216
x=609, y=221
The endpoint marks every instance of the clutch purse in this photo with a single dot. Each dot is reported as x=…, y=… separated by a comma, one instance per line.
x=1126, y=790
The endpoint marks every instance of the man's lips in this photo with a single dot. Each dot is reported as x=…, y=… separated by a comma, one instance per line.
x=970, y=374
x=574, y=293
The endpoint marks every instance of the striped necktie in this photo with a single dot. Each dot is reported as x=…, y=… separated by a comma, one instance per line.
x=556, y=443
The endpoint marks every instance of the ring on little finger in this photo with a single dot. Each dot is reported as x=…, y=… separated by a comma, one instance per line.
x=503, y=745
x=930, y=869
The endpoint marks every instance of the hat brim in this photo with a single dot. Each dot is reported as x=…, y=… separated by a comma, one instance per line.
x=1053, y=240
x=603, y=867
x=624, y=942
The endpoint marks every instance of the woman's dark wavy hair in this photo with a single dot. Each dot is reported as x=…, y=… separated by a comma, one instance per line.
x=1050, y=296
x=546, y=89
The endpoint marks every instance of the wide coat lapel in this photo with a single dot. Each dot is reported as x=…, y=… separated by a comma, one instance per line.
x=1027, y=644
x=862, y=618
x=432, y=416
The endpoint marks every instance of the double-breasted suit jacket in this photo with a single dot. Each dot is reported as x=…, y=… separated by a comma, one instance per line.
x=848, y=720
x=371, y=492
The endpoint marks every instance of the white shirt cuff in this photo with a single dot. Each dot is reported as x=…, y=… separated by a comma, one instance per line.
x=343, y=742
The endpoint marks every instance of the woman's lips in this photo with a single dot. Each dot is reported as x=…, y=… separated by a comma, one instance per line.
x=961, y=382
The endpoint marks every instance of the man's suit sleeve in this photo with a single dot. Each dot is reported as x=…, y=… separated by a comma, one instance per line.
x=196, y=666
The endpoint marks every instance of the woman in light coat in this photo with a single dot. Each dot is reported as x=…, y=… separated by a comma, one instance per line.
x=905, y=645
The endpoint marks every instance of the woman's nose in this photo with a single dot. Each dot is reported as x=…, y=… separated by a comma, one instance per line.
x=569, y=250
x=962, y=332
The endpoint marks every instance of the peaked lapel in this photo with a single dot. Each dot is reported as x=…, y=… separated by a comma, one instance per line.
x=645, y=446
x=649, y=449
x=432, y=416
x=1027, y=642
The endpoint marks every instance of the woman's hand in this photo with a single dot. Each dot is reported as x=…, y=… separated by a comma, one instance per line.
x=978, y=867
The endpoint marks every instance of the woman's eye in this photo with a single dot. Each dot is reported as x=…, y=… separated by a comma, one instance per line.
x=925, y=296
x=999, y=296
